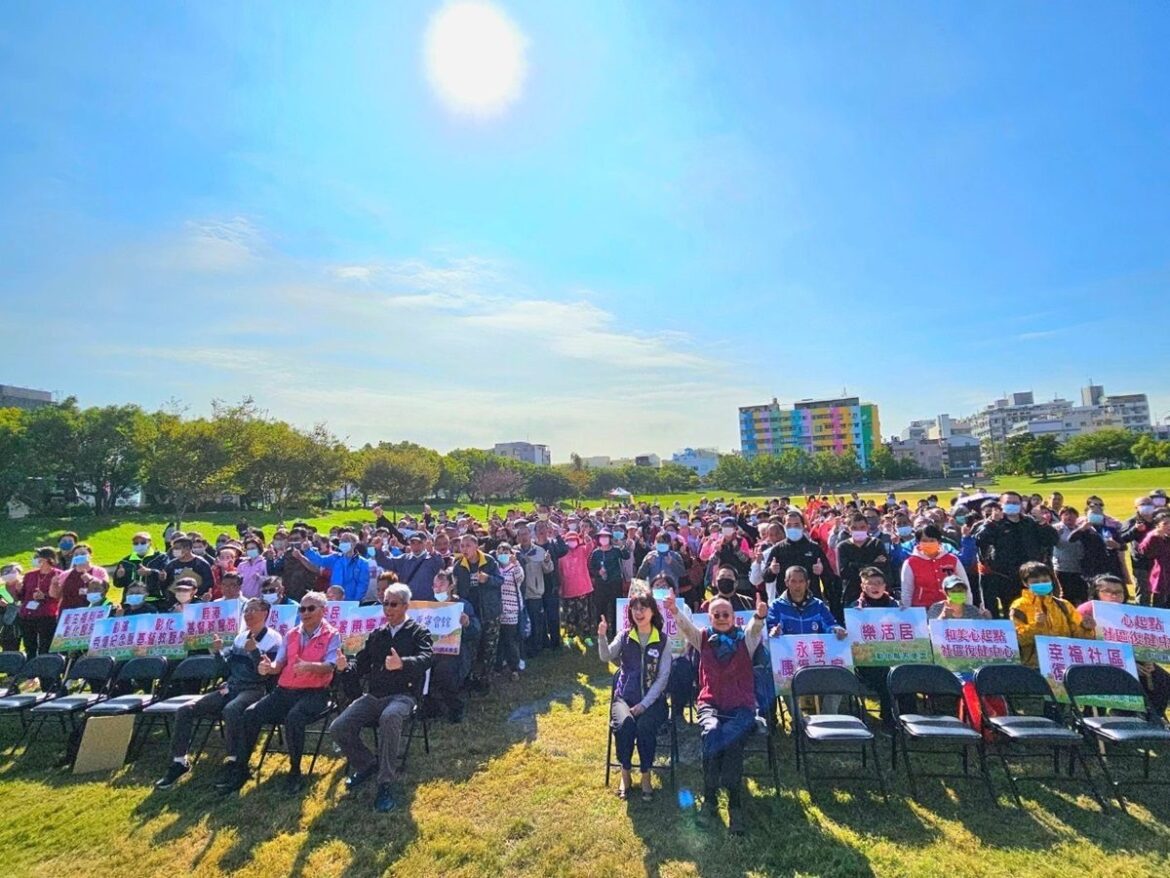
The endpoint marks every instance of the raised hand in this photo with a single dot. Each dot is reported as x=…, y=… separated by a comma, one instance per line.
x=393, y=661
x=602, y=628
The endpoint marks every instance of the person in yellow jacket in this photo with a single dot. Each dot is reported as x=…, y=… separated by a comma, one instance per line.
x=1037, y=612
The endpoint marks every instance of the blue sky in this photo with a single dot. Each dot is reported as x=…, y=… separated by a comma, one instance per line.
x=688, y=208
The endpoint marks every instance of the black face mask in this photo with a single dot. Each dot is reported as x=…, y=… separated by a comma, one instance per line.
x=725, y=586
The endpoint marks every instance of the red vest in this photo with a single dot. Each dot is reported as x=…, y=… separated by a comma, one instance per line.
x=729, y=685
x=929, y=574
x=313, y=651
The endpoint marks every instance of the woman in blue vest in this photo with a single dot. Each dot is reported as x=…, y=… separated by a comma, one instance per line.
x=642, y=655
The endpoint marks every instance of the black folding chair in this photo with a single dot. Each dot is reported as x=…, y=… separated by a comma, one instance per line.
x=417, y=717
x=47, y=670
x=90, y=673
x=844, y=733
x=667, y=734
x=1130, y=735
x=1027, y=733
x=934, y=727
x=317, y=727
x=145, y=674
x=200, y=671
x=10, y=665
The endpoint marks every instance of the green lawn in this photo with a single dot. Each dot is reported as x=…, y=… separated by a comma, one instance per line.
x=518, y=790
x=110, y=537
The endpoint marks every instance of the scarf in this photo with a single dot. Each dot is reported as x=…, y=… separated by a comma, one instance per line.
x=724, y=644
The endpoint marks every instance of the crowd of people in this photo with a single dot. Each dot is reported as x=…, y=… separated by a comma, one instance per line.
x=531, y=581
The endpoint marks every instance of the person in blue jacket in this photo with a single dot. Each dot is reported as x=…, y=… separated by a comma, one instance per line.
x=347, y=569
x=797, y=611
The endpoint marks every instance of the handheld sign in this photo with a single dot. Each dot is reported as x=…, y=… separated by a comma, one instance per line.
x=884, y=637
x=1146, y=629
x=355, y=626
x=791, y=652
x=148, y=634
x=967, y=644
x=282, y=618
x=1057, y=654
x=203, y=621
x=74, y=628
x=441, y=618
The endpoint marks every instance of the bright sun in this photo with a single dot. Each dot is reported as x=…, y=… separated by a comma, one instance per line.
x=475, y=57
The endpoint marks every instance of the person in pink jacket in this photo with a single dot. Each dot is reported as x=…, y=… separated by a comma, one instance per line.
x=1155, y=549
x=577, y=586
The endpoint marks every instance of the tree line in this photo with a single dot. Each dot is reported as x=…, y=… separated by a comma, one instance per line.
x=1040, y=455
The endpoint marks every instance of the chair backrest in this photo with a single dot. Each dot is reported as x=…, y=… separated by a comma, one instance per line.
x=92, y=669
x=147, y=668
x=1011, y=680
x=50, y=667
x=1084, y=681
x=923, y=680
x=196, y=667
x=825, y=680
x=11, y=663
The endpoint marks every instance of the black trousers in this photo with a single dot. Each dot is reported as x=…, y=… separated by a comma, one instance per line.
x=38, y=634
x=998, y=593
x=631, y=731
x=293, y=707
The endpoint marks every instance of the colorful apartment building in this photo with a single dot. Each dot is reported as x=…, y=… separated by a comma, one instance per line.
x=842, y=426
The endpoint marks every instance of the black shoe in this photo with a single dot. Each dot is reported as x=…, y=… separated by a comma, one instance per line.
x=238, y=776
x=358, y=778
x=294, y=783
x=385, y=803
x=176, y=771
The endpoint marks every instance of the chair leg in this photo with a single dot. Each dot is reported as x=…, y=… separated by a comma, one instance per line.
x=426, y=734
x=981, y=752
x=608, y=752
x=1076, y=754
x=320, y=740
x=909, y=767
x=877, y=765
x=1011, y=779
x=264, y=750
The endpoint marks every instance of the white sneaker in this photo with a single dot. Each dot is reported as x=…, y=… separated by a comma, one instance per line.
x=521, y=664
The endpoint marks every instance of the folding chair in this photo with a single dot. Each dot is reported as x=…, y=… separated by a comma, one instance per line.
x=833, y=733
x=89, y=672
x=1029, y=735
x=667, y=734
x=46, y=669
x=145, y=674
x=417, y=715
x=10, y=665
x=317, y=726
x=936, y=730
x=1135, y=732
x=199, y=670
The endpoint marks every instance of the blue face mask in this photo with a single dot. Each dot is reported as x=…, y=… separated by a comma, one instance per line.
x=370, y=551
x=619, y=534
x=135, y=600
x=794, y=533
x=960, y=519
x=1011, y=508
x=80, y=560
x=1040, y=588
x=662, y=548
x=905, y=530
x=141, y=549
x=1096, y=518
x=504, y=558
x=344, y=547
x=65, y=545
x=253, y=553
x=94, y=597
x=395, y=552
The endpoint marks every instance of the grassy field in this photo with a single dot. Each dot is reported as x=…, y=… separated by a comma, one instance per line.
x=518, y=790
x=110, y=536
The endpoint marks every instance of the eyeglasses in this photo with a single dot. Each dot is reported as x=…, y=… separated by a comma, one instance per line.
x=307, y=608
x=393, y=604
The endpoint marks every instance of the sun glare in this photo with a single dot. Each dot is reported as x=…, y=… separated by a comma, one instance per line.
x=475, y=57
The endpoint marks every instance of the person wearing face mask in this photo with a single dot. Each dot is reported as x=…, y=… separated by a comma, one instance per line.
x=95, y=595
x=72, y=585
x=296, y=575
x=478, y=578
x=1132, y=533
x=1039, y=612
x=227, y=557
x=928, y=566
x=771, y=535
x=797, y=550
x=537, y=563
x=184, y=563
x=347, y=569
x=38, y=607
x=184, y=591
x=725, y=589
x=957, y=603
x=448, y=672
x=1069, y=552
x=135, y=601
x=10, y=576
x=663, y=559
x=143, y=562
x=1155, y=547
x=577, y=587
x=605, y=569
x=416, y=567
x=555, y=549
x=512, y=573
x=731, y=549
x=862, y=550
x=272, y=592
x=1102, y=547
x=252, y=568
x=65, y=545
x=1004, y=544
x=875, y=594
x=726, y=703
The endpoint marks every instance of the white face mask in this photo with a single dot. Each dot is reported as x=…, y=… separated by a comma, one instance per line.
x=442, y=595
x=183, y=597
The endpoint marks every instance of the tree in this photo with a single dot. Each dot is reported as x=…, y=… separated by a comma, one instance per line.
x=399, y=474
x=1032, y=455
x=883, y=464
x=454, y=476
x=676, y=477
x=291, y=465
x=733, y=472
x=548, y=485
x=14, y=454
x=1148, y=451
x=500, y=483
x=189, y=462
x=109, y=448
